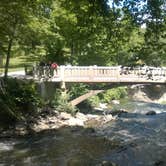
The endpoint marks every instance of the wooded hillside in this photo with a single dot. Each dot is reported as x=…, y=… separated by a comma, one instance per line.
x=84, y=32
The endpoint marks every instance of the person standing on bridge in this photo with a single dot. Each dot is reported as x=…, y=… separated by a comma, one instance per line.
x=41, y=68
x=54, y=67
x=149, y=73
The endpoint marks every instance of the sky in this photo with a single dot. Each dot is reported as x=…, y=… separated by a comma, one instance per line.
x=110, y=3
x=140, y=5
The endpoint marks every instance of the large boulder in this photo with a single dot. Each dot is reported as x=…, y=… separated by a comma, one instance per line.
x=116, y=102
x=75, y=122
x=64, y=116
x=81, y=116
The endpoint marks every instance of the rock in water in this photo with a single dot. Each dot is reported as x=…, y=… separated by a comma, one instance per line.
x=151, y=113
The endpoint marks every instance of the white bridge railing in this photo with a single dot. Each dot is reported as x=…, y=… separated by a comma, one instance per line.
x=101, y=74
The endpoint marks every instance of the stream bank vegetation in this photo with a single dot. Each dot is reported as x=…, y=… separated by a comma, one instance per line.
x=19, y=101
x=23, y=111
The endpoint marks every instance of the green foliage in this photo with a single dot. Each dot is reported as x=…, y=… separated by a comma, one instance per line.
x=77, y=90
x=94, y=101
x=153, y=50
x=115, y=93
x=84, y=32
x=61, y=102
x=17, y=99
x=24, y=94
x=8, y=111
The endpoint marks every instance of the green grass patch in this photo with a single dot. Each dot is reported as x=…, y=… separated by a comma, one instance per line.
x=21, y=61
x=18, y=63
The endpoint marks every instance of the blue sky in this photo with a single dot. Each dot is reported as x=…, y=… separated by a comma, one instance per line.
x=110, y=3
x=140, y=6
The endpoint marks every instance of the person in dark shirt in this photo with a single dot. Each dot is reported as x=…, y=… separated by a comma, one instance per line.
x=42, y=64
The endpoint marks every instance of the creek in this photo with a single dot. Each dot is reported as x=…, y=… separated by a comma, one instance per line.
x=134, y=139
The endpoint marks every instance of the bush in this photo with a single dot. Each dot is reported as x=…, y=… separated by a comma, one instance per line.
x=8, y=111
x=23, y=94
x=77, y=90
x=94, y=101
x=61, y=102
x=115, y=93
x=17, y=98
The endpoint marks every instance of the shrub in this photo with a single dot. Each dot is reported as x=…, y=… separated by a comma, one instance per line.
x=115, y=93
x=77, y=90
x=24, y=95
x=8, y=111
x=94, y=101
x=61, y=102
x=17, y=98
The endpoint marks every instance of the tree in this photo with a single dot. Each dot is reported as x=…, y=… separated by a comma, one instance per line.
x=77, y=22
x=154, y=47
x=14, y=15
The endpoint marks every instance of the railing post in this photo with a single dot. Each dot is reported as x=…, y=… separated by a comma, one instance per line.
x=91, y=73
x=118, y=73
x=62, y=72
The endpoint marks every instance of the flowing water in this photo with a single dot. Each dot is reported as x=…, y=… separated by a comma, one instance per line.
x=134, y=139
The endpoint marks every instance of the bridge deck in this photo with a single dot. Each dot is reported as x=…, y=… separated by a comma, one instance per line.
x=96, y=74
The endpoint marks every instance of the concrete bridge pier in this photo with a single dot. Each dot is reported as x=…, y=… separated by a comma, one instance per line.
x=63, y=86
x=64, y=90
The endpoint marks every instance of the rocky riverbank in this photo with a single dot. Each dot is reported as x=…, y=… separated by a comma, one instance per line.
x=136, y=137
x=148, y=93
x=51, y=119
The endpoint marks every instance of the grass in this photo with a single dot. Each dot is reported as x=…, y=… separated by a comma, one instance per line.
x=12, y=69
x=18, y=63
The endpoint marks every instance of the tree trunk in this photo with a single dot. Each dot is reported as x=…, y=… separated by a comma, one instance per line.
x=8, y=57
x=1, y=61
x=72, y=52
x=11, y=38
